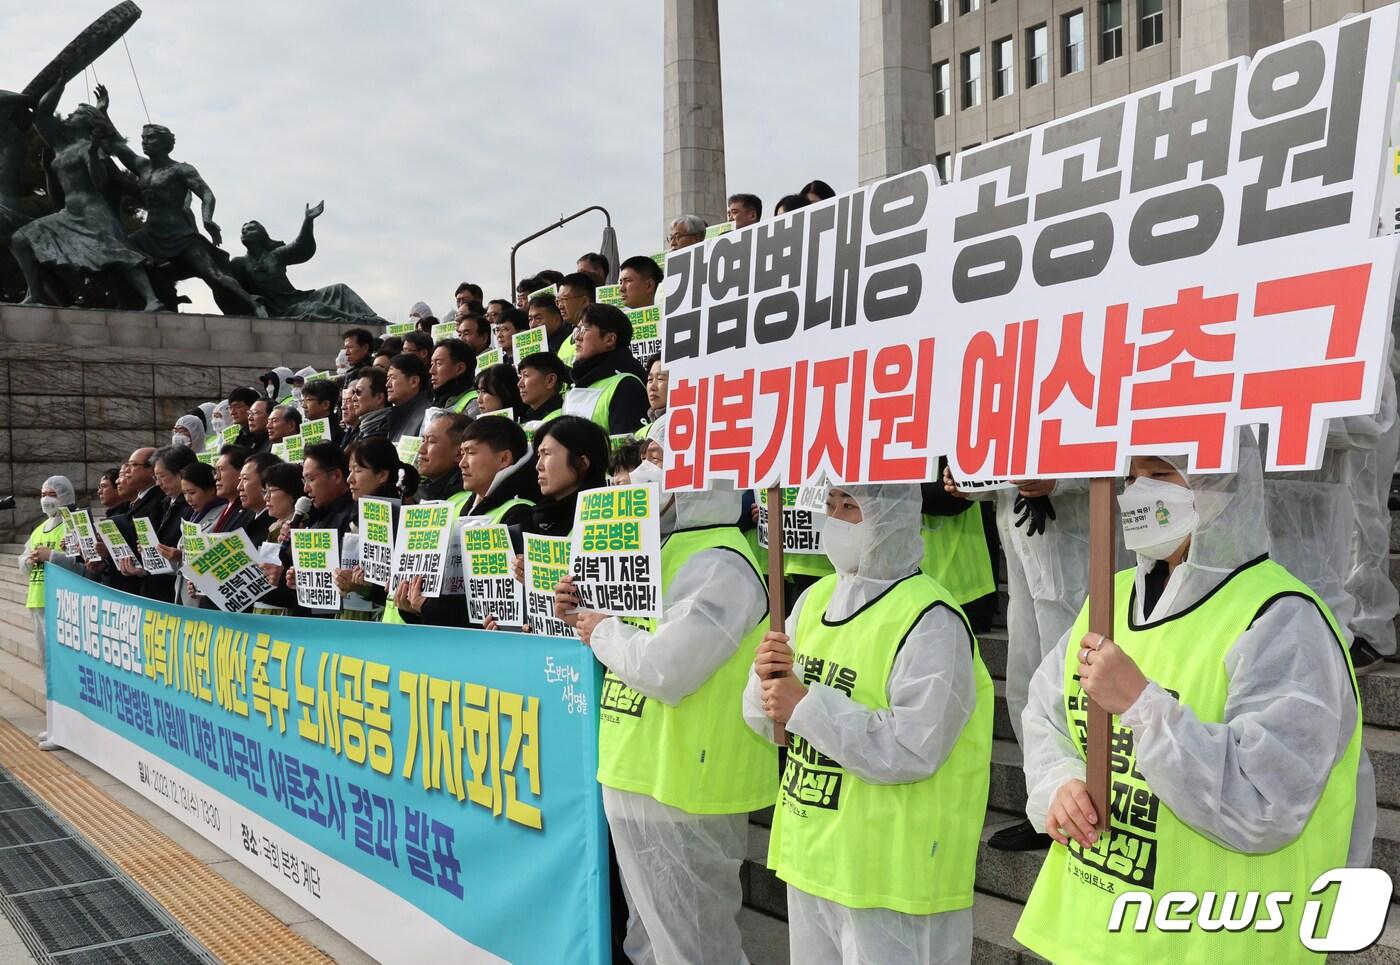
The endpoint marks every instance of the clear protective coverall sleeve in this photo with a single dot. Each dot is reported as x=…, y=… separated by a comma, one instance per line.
x=1251, y=781
x=931, y=694
x=715, y=600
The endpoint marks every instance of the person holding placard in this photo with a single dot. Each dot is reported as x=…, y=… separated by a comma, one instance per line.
x=318, y=401
x=495, y=461
x=376, y=472
x=439, y=478
x=511, y=320
x=199, y=487
x=167, y=464
x=253, y=496
x=284, y=421
x=679, y=769
x=474, y=330
x=1236, y=733
x=452, y=371
x=888, y=711
x=238, y=401
x=571, y=455
x=541, y=382
x=544, y=312
x=638, y=279
x=45, y=544
x=498, y=391
x=609, y=383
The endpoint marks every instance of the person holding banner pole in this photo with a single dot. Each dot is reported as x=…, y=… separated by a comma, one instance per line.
x=680, y=770
x=1236, y=732
x=888, y=711
x=1044, y=530
x=47, y=537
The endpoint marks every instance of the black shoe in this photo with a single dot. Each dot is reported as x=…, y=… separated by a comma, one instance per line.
x=1364, y=657
x=1019, y=837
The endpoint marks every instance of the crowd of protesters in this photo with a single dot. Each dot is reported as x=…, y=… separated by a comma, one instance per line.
x=1252, y=744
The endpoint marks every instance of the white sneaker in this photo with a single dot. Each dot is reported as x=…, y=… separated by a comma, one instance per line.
x=43, y=735
x=48, y=745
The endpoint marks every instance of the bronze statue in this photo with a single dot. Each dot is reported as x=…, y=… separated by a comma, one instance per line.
x=170, y=235
x=263, y=271
x=87, y=233
x=14, y=121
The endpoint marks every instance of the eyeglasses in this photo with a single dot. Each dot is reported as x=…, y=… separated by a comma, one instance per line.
x=677, y=239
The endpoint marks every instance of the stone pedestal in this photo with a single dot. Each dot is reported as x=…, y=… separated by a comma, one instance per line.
x=79, y=390
x=693, y=152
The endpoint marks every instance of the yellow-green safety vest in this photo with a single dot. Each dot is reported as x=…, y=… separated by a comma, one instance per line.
x=567, y=350
x=698, y=755
x=594, y=401
x=53, y=539
x=1149, y=849
x=460, y=403
x=956, y=554
x=909, y=847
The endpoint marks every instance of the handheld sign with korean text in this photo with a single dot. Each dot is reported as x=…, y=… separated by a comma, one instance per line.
x=616, y=553
x=421, y=546
x=316, y=557
x=488, y=562
x=546, y=564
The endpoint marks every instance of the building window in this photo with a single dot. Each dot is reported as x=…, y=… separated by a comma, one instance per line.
x=1072, y=37
x=1037, y=55
x=971, y=78
x=1150, y=32
x=942, y=88
x=1003, y=68
x=1110, y=30
x=944, y=164
x=969, y=6
x=938, y=12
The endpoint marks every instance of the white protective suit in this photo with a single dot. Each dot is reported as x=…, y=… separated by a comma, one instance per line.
x=1251, y=782
x=63, y=488
x=681, y=870
x=1368, y=578
x=1047, y=581
x=931, y=693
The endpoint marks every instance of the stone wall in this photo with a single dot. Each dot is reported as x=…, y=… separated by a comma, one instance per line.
x=79, y=390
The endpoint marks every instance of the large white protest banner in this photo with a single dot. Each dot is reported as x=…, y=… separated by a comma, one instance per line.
x=1148, y=276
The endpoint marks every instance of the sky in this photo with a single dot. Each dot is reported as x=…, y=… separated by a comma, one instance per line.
x=440, y=133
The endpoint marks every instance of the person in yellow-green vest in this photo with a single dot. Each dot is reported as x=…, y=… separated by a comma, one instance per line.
x=956, y=553
x=1237, y=763
x=541, y=380
x=680, y=771
x=576, y=293
x=609, y=382
x=441, y=482
x=888, y=710
x=452, y=371
x=498, y=472
x=544, y=312
x=45, y=543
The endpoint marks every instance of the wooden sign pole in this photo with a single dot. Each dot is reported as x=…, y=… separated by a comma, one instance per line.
x=777, y=610
x=1102, y=549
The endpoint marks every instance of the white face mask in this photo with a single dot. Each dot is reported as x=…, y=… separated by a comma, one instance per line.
x=179, y=439
x=647, y=472
x=50, y=505
x=1156, y=516
x=843, y=544
x=218, y=423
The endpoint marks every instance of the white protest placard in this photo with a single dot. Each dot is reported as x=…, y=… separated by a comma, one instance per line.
x=1149, y=276
x=646, y=331
x=147, y=541
x=400, y=328
x=295, y=447
x=349, y=559
x=443, y=330
x=527, y=343
x=546, y=563
x=316, y=557
x=615, y=557
x=490, y=357
x=407, y=447
x=421, y=546
x=70, y=533
x=454, y=580
x=812, y=499
x=608, y=295
x=228, y=573
x=115, y=542
x=488, y=561
x=314, y=431
x=279, y=449
x=377, y=539
x=87, y=535
x=802, y=530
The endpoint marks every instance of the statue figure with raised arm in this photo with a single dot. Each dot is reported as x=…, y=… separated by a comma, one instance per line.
x=86, y=234
x=15, y=119
x=263, y=271
x=170, y=235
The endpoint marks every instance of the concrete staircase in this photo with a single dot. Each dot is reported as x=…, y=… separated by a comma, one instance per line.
x=1004, y=880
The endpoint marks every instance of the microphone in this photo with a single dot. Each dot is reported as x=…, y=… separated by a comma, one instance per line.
x=7, y=502
x=303, y=510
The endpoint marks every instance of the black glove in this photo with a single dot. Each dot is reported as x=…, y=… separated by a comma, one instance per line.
x=1037, y=509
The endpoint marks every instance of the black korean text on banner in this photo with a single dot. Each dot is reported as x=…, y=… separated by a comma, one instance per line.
x=802, y=528
x=421, y=546
x=1147, y=276
x=546, y=564
x=377, y=539
x=616, y=562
